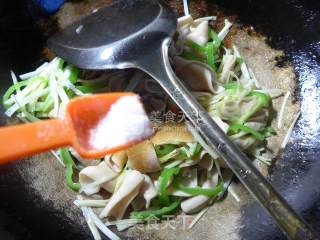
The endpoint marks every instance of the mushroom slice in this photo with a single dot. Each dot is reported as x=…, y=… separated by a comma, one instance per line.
x=93, y=178
x=200, y=34
x=229, y=62
x=117, y=161
x=198, y=76
x=185, y=20
x=148, y=190
x=143, y=157
x=120, y=200
x=172, y=133
x=196, y=203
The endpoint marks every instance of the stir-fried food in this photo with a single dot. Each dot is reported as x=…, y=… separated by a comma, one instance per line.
x=174, y=169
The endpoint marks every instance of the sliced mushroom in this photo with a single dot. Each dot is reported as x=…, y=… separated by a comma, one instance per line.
x=229, y=63
x=148, y=190
x=200, y=34
x=198, y=76
x=185, y=20
x=120, y=200
x=117, y=161
x=172, y=133
x=93, y=178
x=143, y=157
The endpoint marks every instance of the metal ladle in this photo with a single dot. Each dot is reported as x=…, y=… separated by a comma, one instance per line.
x=137, y=34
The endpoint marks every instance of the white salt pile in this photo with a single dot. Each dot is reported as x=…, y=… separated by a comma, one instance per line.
x=125, y=122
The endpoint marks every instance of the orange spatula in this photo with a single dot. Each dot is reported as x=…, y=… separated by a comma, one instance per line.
x=82, y=115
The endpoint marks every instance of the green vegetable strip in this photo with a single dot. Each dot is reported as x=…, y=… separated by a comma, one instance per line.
x=262, y=96
x=196, y=46
x=67, y=160
x=13, y=88
x=232, y=85
x=210, y=192
x=262, y=101
x=215, y=39
x=163, y=150
x=156, y=213
x=251, y=112
x=238, y=127
x=29, y=117
x=197, y=150
x=60, y=63
x=164, y=180
x=69, y=92
x=239, y=60
x=44, y=107
x=210, y=54
x=74, y=73
x=182, y=154
x=31, y=106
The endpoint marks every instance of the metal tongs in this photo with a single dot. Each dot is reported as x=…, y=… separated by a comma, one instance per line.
x=137, y=34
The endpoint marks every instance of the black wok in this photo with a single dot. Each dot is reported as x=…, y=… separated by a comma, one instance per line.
x=292, y=26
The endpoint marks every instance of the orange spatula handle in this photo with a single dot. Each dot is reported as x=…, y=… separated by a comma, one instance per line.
x=27, y=139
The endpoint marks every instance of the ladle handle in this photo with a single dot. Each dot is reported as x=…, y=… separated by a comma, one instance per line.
x=27, y=139
x=158, y=66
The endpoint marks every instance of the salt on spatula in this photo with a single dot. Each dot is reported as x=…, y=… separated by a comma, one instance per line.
x=125, y=122
x=94, y=125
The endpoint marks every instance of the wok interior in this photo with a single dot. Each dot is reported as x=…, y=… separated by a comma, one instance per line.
x=30, y=52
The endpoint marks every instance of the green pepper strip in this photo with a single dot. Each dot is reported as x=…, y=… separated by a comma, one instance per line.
x=69, y=92
x=16, y=86
x=67, y=160
x=262, y=101
x=262, y=96
x=60, y=63
x=239, y=60
x=239, y=127
x=44, y=106
x=232, y=85
x=162, y=150
x=156, y=213
x=182, y=155
x=249, y=113
x=210, y=192
x=196, y=46
x=210, y=54
x=74, y=73
x=197, y=150
x=164, y=179
x=29, y=116
x=215, y=39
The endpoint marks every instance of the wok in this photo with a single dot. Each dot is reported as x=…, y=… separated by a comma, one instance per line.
x=292, y=26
